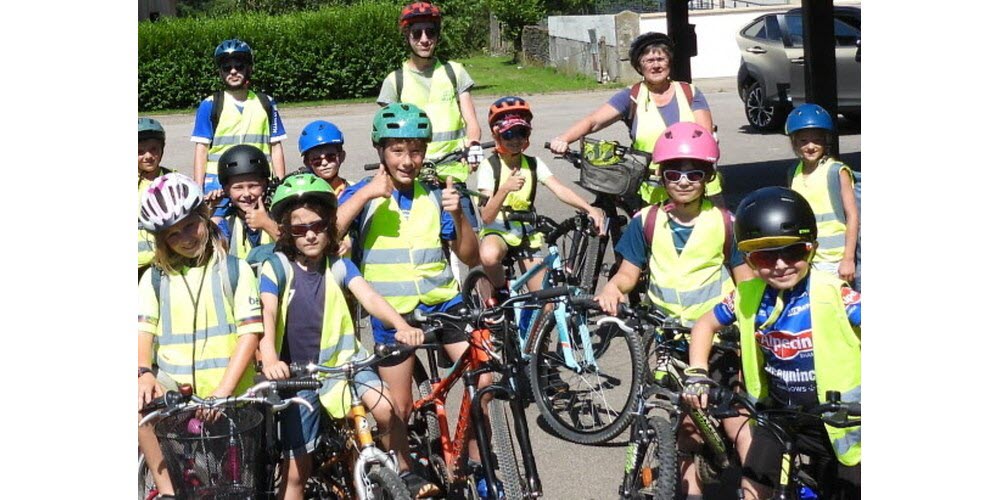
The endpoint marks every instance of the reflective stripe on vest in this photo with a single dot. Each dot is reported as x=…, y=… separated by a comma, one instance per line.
x=836, y=351
x=209, y=346
x=239, y=242
x=440, y=102
x=249, y=127
x=401, y=249
x=686, y=286
x=831, y=230
x=337, y=343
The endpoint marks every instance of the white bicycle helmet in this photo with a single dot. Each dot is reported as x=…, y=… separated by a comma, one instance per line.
x=168, y=199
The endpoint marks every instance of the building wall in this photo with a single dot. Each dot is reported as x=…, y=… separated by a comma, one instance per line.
x=163, y=7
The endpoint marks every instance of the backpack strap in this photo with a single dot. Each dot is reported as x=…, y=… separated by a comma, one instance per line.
x=495, y=164
x=688, y=92
x=727, y=248
x=268, y=104
x=649, y=225
x=633, y=98
x=450, y=71
x=218, y=99
x=398, y=75
x=230, y=277
x=533, y=167
x=282, y=268
x=833, y=185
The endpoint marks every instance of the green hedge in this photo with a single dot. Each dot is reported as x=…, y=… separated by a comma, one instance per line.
x=333, y=53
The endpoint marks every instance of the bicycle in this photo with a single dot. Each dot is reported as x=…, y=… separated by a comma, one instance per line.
x=586, y=408
x=232, y=455
x=346, y=447
x=447, y=455
x=794, y=482
x=428, y=172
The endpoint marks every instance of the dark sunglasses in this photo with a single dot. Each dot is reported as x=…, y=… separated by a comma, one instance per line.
x=690, y=175
x=317, y=161
x=789, y=254
x=227, y=67
x=418, y=33
x=300, y=230
x=515, y=133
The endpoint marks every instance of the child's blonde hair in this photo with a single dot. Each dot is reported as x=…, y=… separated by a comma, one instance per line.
x=170, y=262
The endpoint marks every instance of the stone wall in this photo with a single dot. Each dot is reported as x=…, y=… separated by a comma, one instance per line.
x=535, y=44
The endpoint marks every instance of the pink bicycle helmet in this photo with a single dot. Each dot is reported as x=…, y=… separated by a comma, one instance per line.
x=168, y=200
x=686, y=140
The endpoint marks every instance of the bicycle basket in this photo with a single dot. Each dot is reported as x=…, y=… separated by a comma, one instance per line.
x=219, y=460
x=610, y=168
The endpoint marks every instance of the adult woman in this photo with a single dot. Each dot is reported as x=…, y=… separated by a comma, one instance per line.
x=648, y=108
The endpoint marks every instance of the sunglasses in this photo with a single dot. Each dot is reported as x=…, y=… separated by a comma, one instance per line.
x=317, y=161
x=690, y=175
x=227, y=67
x=515, y=133
x=300, y=230
x=418, y=33
x=789, y=254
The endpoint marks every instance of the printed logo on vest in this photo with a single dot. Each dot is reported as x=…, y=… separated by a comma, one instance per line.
x=785, y=345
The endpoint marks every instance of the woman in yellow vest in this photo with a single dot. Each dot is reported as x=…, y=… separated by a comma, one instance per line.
x=244, y=175
x=800, y=333
x=688, y=249
x=152, y=138
x=810, y=129
x=513, y=185
x=307, y=320
x=198, y=305
x=403, y=227
x=647, y=108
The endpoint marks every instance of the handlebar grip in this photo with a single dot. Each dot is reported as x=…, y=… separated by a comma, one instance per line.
x=853, y=409
x=584, y=301
x=488, y=144
x=526, y=217
x=551, y=293
x=297, y=385
x=372, y=166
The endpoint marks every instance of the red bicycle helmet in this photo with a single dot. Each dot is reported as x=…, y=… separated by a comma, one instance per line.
x=417, y=12
x=507, y=105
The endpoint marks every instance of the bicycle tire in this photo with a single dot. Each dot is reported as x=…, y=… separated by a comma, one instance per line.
x=427, y=414
x=662, y=452
x=509, y=462
x=559, y=402
x=391, y=486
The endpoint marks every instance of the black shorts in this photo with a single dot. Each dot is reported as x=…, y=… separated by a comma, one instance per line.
x=724, y=368
x=448, y=334
x=836, y=480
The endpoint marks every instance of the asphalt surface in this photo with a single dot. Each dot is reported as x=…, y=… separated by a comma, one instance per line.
x=749, y=161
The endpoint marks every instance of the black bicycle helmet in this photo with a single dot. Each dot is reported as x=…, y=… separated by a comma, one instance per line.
x=644, y=40
x=243, y=159
x=773, y=217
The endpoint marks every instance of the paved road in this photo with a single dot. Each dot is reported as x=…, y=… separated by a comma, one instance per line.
x=749, y=160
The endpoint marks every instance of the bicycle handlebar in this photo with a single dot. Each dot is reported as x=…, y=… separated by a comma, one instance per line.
x=381, y=351
x=845, y=413
x=459, y=155
x=194, y=402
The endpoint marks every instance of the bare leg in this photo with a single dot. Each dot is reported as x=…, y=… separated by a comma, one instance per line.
x=150, y=448
x=399, y=380
x=296, y=472
x=492, y=250
x=395, y=439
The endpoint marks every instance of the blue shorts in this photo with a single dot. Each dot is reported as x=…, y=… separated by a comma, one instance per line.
x=299, y=428
x=211, y=184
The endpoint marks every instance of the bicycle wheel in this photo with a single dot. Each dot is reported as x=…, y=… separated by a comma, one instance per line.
x=147, y=488
x=509, y=461
x=385, y=484
x=658, y=466
x=594, y=404
x=477, y=289
x=582, y=260
x=424, y=422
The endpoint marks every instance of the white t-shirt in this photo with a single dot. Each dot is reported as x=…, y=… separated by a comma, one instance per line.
x=485, y=173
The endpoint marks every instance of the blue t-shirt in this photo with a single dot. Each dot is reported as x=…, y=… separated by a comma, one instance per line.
x=632, y=245
x=253, y=235
x=304, y=322
x=382, y=333
x=786, y=342
x=203, y=132
x=670, y=112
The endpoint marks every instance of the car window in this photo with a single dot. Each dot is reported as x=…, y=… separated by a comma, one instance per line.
x=844, y=34
x=755, y=30
x=773, y=31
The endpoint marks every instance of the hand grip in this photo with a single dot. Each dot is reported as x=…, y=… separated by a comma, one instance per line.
x=297, y=385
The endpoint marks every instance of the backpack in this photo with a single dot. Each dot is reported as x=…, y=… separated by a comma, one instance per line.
x=218, y=98
x=228, y=284
x=633, y=95
x=727, y=222
x=398, y=75
x=833, y=185
x=532, y=165
x=279, y=262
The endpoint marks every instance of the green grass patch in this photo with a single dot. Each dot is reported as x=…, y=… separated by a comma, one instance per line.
x=501, y=76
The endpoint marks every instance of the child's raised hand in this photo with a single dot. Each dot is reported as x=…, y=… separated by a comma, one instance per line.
x=449, y=198
x=380, y=185
x=514, y=182
x=257, y=217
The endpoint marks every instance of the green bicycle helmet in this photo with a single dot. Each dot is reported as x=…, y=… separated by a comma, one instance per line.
x=300, y=187
x=151, y=129
x=400, y=121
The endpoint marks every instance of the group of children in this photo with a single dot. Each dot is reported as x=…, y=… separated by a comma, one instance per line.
x=205, y=316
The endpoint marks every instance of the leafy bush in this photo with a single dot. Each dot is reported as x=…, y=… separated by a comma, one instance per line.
x=332, y=53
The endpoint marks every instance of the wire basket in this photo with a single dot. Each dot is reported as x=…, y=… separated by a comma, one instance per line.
x=611, y=168
x=213, y=460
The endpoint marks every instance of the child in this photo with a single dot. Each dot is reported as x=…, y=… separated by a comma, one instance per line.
x=688, y=249
x=509, y=180
x=152, y=139
x=402, y=227
x=203, y=323
x=243, y=173
x=307, y=319
x=810, y=129
x=235, y=115
x=322, y=146
x=801, y=337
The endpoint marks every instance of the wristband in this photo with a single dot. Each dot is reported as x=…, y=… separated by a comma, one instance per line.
x=144, y=370
x=695, y=371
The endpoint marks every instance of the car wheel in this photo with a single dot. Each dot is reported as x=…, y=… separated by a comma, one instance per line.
x=761, y=116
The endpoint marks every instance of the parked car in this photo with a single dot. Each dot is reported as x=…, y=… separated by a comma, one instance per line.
x=771, y=78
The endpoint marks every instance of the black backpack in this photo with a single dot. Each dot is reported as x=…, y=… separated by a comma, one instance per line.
x=532, y=165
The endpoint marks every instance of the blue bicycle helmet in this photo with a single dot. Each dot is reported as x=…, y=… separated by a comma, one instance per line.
x=233, y=48
x=319, y=133
x=151, y=129
x=808, y=116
